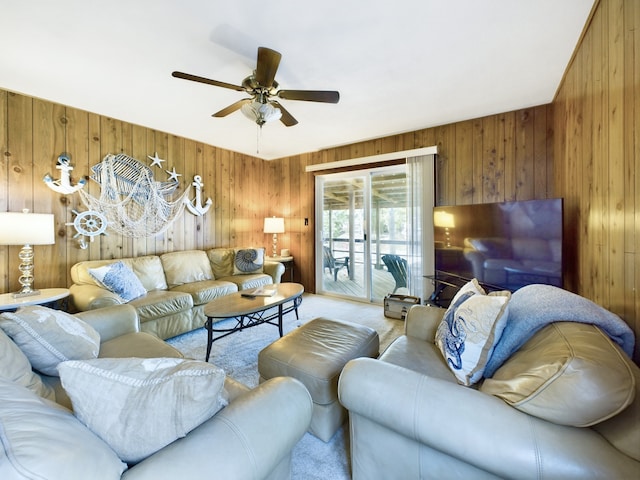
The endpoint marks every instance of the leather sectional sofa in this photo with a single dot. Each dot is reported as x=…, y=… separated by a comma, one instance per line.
x=251, y=438
x=410, y=418
x=178, y=285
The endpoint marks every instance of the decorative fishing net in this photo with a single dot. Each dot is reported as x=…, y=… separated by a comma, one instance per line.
x=134, y=204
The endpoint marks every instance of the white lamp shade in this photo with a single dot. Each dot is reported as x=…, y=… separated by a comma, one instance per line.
x=18, y=228
x=274, y=225
x=444, y=219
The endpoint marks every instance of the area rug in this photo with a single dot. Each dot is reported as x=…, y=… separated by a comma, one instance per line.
x=237, y=354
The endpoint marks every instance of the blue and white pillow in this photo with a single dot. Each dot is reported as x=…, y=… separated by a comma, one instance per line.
x=119, y=279
x=470, y=329
x=248, y=260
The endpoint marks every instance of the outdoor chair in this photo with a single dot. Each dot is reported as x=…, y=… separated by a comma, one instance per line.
x=334, y=264
x=397, y=267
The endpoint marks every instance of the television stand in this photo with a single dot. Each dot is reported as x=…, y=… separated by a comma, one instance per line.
x=446, y=285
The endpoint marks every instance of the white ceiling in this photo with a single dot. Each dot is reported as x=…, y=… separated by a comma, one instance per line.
x=399, y=66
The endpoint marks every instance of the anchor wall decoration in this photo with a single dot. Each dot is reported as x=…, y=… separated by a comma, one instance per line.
x=195, y=206
x=64, y=184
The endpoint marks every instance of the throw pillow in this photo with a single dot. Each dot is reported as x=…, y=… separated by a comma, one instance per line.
x=248, y=260
x=48, y=337
x=138, y=405
x=43, y=440
x=15, y=366
x=470, y=329
x=568, y=373
x=119, y=279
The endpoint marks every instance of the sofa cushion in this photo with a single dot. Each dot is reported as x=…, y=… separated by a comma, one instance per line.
x=248, y=260
x=48, y=337
x=42, y=440
x=186, y=267
x=161, y=303
x=15, y=367
x=139, y=405
x=205, y=291
x=221, y=260
x=147, y=268
x=245, y=282
x=568, y=373
x=119, y=279
x=470, y=329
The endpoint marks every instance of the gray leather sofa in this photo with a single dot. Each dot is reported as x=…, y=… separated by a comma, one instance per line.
x=178, y=284
x=251, y=438
x=409, y=418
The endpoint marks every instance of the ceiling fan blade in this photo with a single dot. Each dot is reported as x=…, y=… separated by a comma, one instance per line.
x=268, y=61
x=310, y=95
x=286, y=117
x=231, y=108
x=195, y=78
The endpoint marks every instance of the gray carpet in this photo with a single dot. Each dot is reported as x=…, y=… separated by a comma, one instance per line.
x=237, y=354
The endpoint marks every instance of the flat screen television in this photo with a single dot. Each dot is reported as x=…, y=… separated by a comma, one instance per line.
x=503, y=245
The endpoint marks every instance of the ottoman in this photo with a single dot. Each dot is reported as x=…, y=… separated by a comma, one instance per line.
x=315, y=354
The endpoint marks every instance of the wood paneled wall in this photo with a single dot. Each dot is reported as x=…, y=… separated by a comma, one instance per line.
x=499, y=157
x=496, y=158
x=597, y=150
x=33, y=133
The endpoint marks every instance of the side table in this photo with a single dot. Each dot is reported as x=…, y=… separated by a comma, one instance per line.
x=46, y=296
x=286, y=261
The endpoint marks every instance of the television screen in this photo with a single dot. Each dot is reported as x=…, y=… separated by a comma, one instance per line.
x=503, y=245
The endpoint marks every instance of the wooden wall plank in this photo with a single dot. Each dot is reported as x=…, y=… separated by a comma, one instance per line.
x=20, y=178
x=48, y=143
x=4, y=179
x=616, y=155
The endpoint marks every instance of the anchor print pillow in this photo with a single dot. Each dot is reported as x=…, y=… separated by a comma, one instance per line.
x=470, y=329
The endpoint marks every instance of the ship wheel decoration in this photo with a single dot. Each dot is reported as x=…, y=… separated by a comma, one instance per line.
x=88, y=224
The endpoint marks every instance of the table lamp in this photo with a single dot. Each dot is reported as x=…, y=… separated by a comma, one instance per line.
x=274, y=225
x=26, y=229
x=444, y=220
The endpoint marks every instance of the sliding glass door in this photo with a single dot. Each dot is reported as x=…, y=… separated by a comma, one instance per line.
x=362, y=238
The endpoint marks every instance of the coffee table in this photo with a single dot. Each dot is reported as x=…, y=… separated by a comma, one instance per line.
x=250, y=311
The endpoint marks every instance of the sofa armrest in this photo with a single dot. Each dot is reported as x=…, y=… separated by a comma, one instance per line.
x=274, y=269
x=112, y=322
x=248, y=439
x=473, y=427
x=422, y=322
x=89, y=297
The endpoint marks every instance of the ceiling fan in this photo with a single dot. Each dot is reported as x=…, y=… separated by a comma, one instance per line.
x=263, y=89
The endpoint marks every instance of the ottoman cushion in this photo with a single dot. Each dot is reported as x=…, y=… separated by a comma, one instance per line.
x=316, y=353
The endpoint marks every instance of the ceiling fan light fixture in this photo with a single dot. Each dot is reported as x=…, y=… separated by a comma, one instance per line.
x=260, y=113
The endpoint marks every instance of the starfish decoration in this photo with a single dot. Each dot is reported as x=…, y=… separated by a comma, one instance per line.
x=155, y=160
x=173, y=175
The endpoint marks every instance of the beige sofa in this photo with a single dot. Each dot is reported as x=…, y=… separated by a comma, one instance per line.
x=251, y=438
x=409, y=417
x=178, y=284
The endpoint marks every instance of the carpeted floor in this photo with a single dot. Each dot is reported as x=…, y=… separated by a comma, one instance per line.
x=237, y=354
